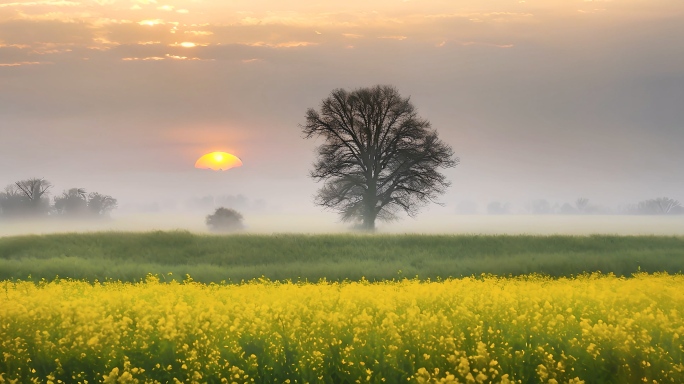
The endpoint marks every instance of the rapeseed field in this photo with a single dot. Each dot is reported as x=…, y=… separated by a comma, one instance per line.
x=483, y=329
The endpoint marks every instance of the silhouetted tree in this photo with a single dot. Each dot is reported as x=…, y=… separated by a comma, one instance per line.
x=659, y=206
x=34, y=189
x=224, y=220
x=71, y=203
x=101, y=205
x=667, y=205
x=12, y=201
x=379, y=157
x=26, y=198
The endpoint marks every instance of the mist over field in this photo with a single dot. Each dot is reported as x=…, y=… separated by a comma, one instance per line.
x=425, y=224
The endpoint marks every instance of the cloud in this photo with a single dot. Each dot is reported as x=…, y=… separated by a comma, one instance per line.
x=213, y=23
x=150, y=58
x=19, y=46
x=152, y=22
x=21, y=63
x=136, y=32
x=396, y=37
x=471, y=43
x=199, y=33
x=51, y=3
x=287, y=44
x=49, y=31
x=179, y=57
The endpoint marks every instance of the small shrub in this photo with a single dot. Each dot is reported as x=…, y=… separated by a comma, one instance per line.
x=224, y=220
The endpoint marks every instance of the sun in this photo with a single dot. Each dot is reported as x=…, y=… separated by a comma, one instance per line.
x=218, y=161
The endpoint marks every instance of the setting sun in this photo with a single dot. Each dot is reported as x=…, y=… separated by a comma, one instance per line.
x=218, y=161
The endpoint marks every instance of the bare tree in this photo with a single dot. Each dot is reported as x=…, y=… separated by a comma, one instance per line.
x=659, y=206
x=379, y=157
x=664, y=205
x=34, y=189
x=34, y=195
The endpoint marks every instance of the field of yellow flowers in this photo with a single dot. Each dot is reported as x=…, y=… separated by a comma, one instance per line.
x=486, y=329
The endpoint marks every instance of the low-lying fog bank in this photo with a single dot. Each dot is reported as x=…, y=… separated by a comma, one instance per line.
x=434, y=224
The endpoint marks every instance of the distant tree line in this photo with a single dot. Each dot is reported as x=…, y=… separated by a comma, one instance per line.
x=582, y=206
x=30, y=198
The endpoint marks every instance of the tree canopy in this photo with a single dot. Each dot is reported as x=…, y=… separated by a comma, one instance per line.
x=379, y=157
x=224, y=220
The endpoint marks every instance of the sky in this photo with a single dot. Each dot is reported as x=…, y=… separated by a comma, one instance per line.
x=553, y=99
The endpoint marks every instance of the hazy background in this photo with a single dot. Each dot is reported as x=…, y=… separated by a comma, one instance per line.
x=539, y=98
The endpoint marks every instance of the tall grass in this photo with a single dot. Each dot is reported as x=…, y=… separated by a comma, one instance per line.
x=131, y=256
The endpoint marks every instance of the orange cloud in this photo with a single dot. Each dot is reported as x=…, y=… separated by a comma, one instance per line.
x=38, y=3
x=289, y=44
x=17, y=64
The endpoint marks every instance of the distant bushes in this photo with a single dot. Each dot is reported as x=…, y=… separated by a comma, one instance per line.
x=224, y=220
x=582, y=206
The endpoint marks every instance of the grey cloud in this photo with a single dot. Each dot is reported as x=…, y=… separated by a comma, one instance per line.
x=13, y=54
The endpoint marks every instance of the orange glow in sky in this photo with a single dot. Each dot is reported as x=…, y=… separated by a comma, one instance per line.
x=218, y=161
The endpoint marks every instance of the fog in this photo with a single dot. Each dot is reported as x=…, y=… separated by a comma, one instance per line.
x=326, y=224
x=289, y=208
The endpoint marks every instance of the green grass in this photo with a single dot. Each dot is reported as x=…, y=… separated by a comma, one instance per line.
x=131, y=256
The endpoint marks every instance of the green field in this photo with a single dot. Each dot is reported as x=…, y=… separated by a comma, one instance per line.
x=172, y=255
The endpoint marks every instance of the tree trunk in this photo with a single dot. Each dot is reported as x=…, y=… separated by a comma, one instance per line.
x=370, y=201
x=369, y=222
